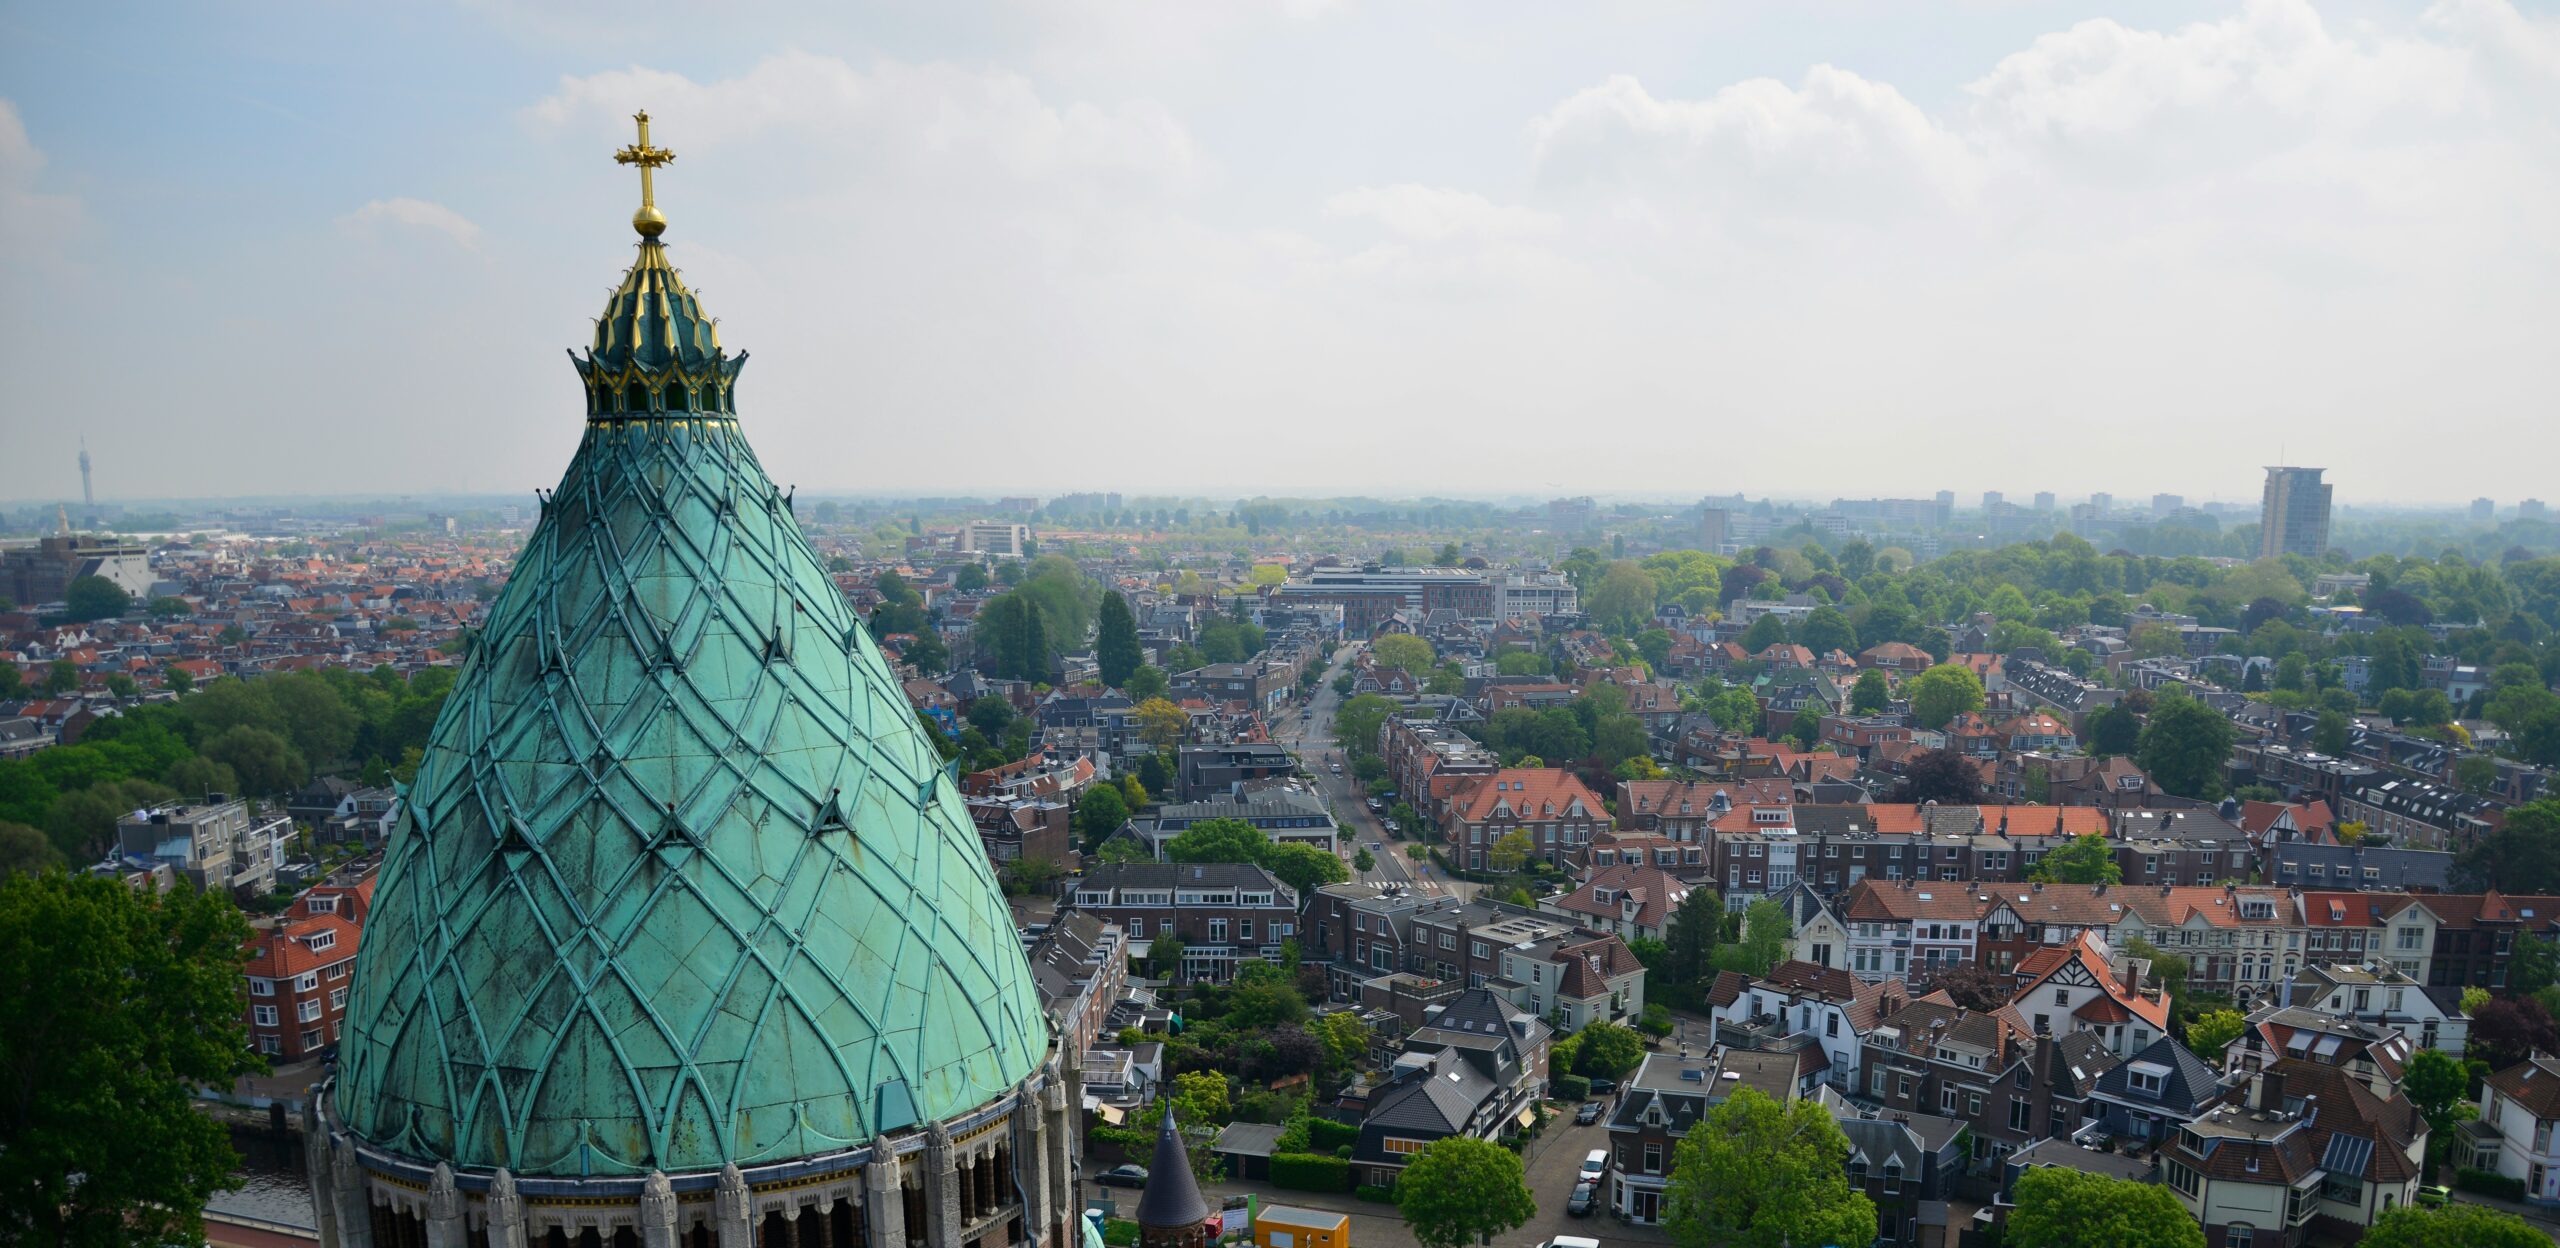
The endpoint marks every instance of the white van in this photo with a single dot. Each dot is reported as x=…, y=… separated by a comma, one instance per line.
x=1596, y=1164
x=1570, y=1241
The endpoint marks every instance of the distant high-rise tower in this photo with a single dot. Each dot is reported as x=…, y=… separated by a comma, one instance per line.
x=2044, y=500
x=2102, y=503
x=1990, y=499
x=2293, y=515
x=2163, y=504
x=2531, y=509
x=88, y=500
x=2484, y=510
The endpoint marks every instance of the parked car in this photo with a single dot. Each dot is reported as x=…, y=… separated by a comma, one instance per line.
x=1594, y=1165
x=1377, y=844
x=1377, y=803
x=1585, y=1193
x=1588, y=1114
x=1123, y=1176
x=1603, y=1087
x=1389, y=825
x=2434, y=1195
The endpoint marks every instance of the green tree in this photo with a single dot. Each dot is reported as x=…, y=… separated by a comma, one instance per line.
x=1345, y=1039
x=1218, y=840
x=2523, y=856
x=1824, y=630
x=1942, y=693
x=1164, y=955
x=1735, y=710
x=24, y=850
x=1364, y=862
x=2184, y=745
x=1690, y=943
x=2435, y=1083
x=1462, y=1190
x=1623, y=599
x=1510, y=851
x=2114, y=729
x=1356, y=722
x=62, y=676
x=2080, y=860
x=265, y=763
x=1403, y=651
x=2476, y=773
x=1758, y=1174
x=2213, y=1031
x=120, y=1003
x=1764, y=632
x=2059, y=1208
x=1765, y=929
x=1303, y=867
x=1200, y=1105
x=1115, y=646
x=1147, y=684
x=1617, y=738
x=94, y=598
x=1608, y=1050
x=1870, y=694
x=2452, y=1226
x=1161, y=724
x=2331, y=733
x=168, y=607
x=1099, y=813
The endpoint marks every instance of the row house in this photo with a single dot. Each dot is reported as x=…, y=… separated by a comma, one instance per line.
x=1911, y=928
x=1576, y=980
x=1667, y=1097
x=1553, y=806
x=1428, y=762
x=1364, y=932
x=2307, y=1155
x=2302, y=774
x=2181, y=847
x=2245, y=943
x=1222, y=912
x=2413, y=812
x=2077, y=987
x=297, y=975
x=1632, y=902
x=2475, y=933
x=1986, y=1068
x=1080, y=967
x=1907, y=1164
x=1464, y=943
x=1474, y=1068
x=1607, y=850
x=1687, y=810
x=2518, y=1131
x=1802, y=1005
x=1859, y=736
x=2384, y=997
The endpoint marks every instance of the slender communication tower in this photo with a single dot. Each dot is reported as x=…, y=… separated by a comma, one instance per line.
x=88, y=500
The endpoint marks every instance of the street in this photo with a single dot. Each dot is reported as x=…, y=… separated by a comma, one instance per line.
x=1313, y=741
x=1552, y=1161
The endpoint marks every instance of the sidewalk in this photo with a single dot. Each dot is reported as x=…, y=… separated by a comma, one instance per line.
x=2543, y=1218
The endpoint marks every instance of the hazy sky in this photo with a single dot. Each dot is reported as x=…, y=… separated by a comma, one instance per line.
x=1665, y=249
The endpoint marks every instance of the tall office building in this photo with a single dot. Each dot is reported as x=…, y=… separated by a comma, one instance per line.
x=2484, y=510
x=1711, y=530
x=2101, y=504
x=2293, y=514
x=2163, y=504
x=1990, y=499
x=2044, y=500
x=2531, y=509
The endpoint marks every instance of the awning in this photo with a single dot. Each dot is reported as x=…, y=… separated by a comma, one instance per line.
x=1528, y=1117
x=1111, y=1114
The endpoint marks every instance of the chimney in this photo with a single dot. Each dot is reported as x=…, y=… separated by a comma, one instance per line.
x=2270, y=1089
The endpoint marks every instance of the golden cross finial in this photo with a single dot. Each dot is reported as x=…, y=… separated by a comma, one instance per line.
x=649, y=221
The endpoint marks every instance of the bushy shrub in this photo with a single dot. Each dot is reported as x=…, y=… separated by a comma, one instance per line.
x=2489, y=1183
x=1325, y=1135
x=1310, y=1172
x=1572, y=1088
x=1370, y=1191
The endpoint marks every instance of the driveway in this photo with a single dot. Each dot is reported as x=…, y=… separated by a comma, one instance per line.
x=1552, y=1161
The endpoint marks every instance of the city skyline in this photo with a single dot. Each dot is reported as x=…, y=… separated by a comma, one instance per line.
x=1419, y=248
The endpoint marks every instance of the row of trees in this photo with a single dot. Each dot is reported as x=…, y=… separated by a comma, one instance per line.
x=261, y=737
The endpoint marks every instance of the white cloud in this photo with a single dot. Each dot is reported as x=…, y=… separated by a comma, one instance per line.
x=39, y=223
x=415, y=214
x=1435, y=214
x=1830, y=144
x=900, y=118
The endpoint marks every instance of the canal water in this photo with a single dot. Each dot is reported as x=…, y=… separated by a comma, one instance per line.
x=274, y=1186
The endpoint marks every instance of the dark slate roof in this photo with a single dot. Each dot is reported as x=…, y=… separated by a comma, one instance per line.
x=1436, y=1099
x=2401, y=868
x=1155, y=875
x=2189, y=1083
x=1171, y=1199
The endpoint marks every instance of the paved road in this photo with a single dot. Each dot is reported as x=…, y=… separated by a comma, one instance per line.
x=1317, y=749
x=1552, y=1161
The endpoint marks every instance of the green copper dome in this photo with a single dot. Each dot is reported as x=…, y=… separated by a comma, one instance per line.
x=680, y=882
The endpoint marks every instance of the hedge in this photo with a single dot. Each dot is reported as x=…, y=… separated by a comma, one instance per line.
x=1325, y=1135
x=2489, y=1183
x=1310, y=1172
x=1571, y=1088
x=1382, y=1195
x=1126, y=1137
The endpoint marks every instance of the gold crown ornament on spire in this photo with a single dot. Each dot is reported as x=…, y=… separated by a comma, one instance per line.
x=649, y=221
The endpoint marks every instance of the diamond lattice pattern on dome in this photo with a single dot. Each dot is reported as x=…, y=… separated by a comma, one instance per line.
x=681, y=882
